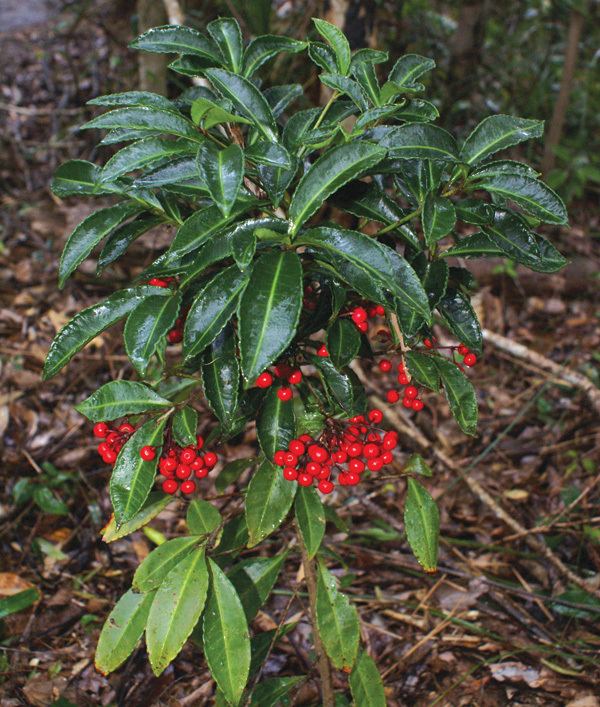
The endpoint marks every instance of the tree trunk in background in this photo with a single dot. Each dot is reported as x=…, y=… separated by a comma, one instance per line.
x=559, y=114
x=152, y=67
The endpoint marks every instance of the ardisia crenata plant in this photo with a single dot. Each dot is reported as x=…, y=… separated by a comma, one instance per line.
x=267, y=311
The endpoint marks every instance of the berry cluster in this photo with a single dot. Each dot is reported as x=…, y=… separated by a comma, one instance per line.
x=360, y=316
x=469, y=358
x=178, y=464
x=114, y=439
x=293, y=376
x=345, y=449
x=410, y=394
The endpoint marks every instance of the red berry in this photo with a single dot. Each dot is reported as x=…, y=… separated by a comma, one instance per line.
x=339, y=457
x=392, y=396
x=470, y=360
x=279, y=457
x=157, y=282
x=317, y=453
x=385, y=365
x=427, y=343
x=370, y=451
x=126, y=428
x=100, y=430
x=296, y=447
x=290, y=459
x=407, y=403
x=183, y=471
x=112, y=437
x=305, y=479
x=322, y=352
x=390, y=441
x=375, y=416
x=210, y=459
x=403, y=379
x=290, y=474
x=188, y=455
x=375, y=464
x=264, y=380
x=356, y=466
x=175, y=336
x=411, y=392
x=200, y=473
x=199, y=442
x=325, y=486
x=417, y=405
x=295, y=378
x=352, y=478
x=110, y=456
x=188, y=487
x=355, y=450
x=380, y=310
x=386, y=457
x=305, y=438
x=313, y=468
x=147, y=453
x=362, y=327
x=325, y=473
x=170, y=486
x=463, y=350
x=359, y=314
x=284, y=394
x=170, y=465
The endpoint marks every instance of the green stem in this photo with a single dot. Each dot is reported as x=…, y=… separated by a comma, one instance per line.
x=400, y=222
x=321, y=117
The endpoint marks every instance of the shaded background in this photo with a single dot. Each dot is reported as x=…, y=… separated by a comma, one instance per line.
x=500, y=623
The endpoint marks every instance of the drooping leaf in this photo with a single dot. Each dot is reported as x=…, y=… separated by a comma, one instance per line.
x=132, y=477
x=212, y=308
x=474, y=211
x=275, y=424
x=122, y=630
x=155, y=503
x=143, y=154
x=420, y=141
x=225, y=636
x=157, y=565
x=460, y=395
x=408, y=68
x=185, y=424
x=121, y=398
x=461, y=319
x=343, y=342
x=268, y=501
x=344, y=387
x=223, y=171
x=176, y=609
x=348, y=87
x=438, y=218
x=221, y=377
x=254, y=580
x=121, y=238
x=310, y=517
x=177, y=39
x=78, y=177
x=422, y=367
x=422, y=524
x=331, y=171
x=246, y=98
x=337, y=41
x=133, y=98
x=265, y=47
x=337, y=621
x=366, y=684
x=270, y=692
x=145, y=119
x=146, y=329
x=227, y=35
x=269, y=311
x=497, y=132
x=89, y=233
x=531, y=195
x=202, y=517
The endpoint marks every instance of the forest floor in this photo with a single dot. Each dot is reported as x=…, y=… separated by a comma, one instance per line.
x=500, y=623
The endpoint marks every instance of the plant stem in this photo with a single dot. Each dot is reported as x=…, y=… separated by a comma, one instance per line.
x=322, y=660
x=321, y=117
x=395, y=224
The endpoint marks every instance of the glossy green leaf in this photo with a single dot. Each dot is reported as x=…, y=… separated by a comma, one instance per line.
x=46, y=500
x=422, y=367
x=122, y=630
x=343, y=386
x=78, y=177
x=420, y=141
x=475, y=246
x=227, y=35
x=331, y=171
x=226, y=638
x=276, y=423
x=146, y=329
x=460, y=395
x=221, y=377
x=18, y=602
x=417, y=110
x=337, y=621
x=208, y=113
x=408, y=68
x=364, y=73
x=230, y=473
x=503, y=167
x=438, y=218
x=270, y=692
x=531, y=195
x=202, y=517
x=269, y=311
x=343, y=342
x=474, y=211
x=322, y=55
x=337, y=41
x=243, y=247
x=265, y=47
x=121, y=398
x=89, y=233
x=417, y=465
x=366, y=684
x=435, y=281
x=254, y=580
x=276, y=180
x=373, y=263
x=212, y=308
x=177, y=171
x=246, y=98
x=143, y=154
x=497, y=132
x=185, y=424
x=157, y=565
x=145, y=119
x=348, y=87
x=222, y=171
x=280, y=97
x=422, y=525
x=310, y=517
x=121, y=238
x=268, y=502
x=176, y=609
x=177, y=39
x=133, y=98
x=132, y=477
x=461, y=319
x=272, y=154
x=154, y=504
